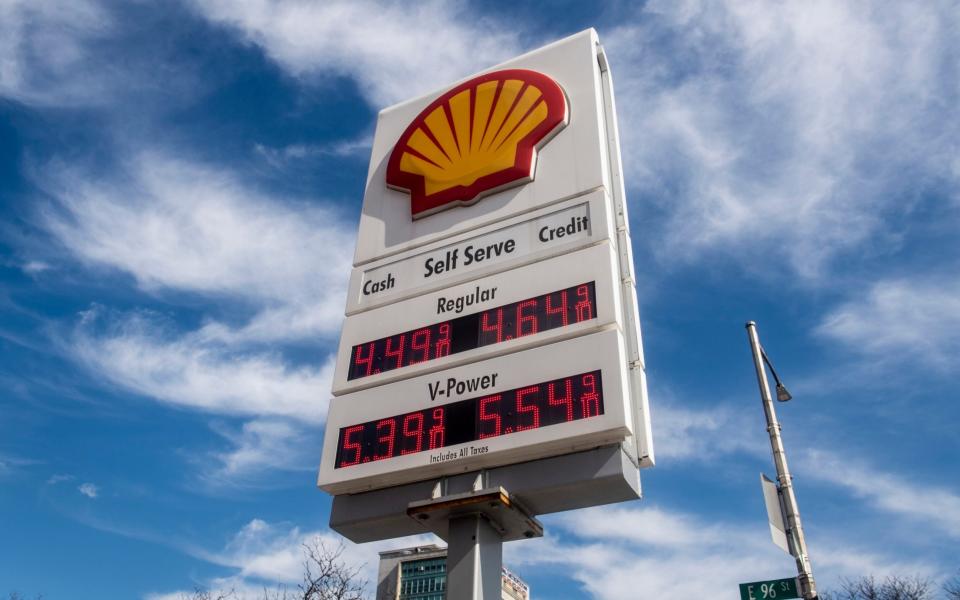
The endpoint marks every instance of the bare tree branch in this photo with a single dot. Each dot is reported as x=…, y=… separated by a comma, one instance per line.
x=202, y=594
x=326, y=576
x=952, y=588
x=892, y=588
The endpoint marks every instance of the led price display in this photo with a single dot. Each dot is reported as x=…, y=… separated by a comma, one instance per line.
x=521, y=409
x=526, y=317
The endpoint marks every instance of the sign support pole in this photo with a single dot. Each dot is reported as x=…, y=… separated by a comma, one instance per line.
x=474, y=558
x=475, y=524
x=808, y=588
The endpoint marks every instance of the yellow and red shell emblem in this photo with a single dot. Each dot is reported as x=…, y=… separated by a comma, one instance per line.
x=478, y=138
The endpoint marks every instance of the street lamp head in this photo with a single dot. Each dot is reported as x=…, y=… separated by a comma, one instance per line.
x=782, y=394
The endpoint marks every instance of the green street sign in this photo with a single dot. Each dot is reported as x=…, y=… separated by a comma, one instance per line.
x=766, y=590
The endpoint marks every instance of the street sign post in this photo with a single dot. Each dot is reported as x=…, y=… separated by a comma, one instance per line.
x=776, y=589
x=791, y=525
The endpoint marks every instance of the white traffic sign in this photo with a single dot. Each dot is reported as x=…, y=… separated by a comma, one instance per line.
x=775, y=516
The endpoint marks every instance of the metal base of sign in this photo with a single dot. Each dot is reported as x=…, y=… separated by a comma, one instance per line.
x=600, y=476
x=494, y=505
x=474, y=558
x=475, y=524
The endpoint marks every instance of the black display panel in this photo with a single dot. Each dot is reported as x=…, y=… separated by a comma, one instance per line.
x=526, y=317
x=521, y=409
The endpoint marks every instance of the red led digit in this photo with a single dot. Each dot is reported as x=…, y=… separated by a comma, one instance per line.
x=589, y=400
x=527, y=324
x=437, y=430
x=532, y=390
x=584, y=306
x=567, y=400
x=416, y=432
x=496, y=328
x=486, y=416
x=420, y=341
x=443, y=341
x=388, y=438
x=359, y=359
x=349, y=444
x=561, y=310
x=396, y=353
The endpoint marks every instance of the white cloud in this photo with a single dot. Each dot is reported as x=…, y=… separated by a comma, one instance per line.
x=624, y=552
x=260, y=446
x=266, y=553
x=175, y=225
x=281, y=157
x=800, y=129
x=936, y=506
x=59, y=478
x=627, y=552
x=43, y=50
x=187, y=371
x=393, y=50
x=900, y=318
x=9, y=464
x=35, y=267
x=89, y=490
x=690, y=434
x=179, y=227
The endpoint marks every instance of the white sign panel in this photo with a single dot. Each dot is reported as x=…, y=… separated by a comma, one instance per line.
x=491, y=314
x=570, y=162
x=778, y=527
x=542, y=302
x=568, y=397
x=548, y=232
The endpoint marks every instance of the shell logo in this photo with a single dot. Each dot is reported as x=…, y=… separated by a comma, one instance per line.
x=478, y=138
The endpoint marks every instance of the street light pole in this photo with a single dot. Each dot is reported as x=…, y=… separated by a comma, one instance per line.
x=808, y=588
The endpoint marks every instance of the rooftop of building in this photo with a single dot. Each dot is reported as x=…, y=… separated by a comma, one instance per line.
x=413, y=551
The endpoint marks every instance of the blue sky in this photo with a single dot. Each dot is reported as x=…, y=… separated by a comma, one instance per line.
x=180, y=184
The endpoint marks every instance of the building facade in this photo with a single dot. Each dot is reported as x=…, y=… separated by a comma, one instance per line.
x=420, y=573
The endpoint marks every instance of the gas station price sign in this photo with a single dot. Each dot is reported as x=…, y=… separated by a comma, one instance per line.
x=504, y=413
x=553, y=310
x=437, y=368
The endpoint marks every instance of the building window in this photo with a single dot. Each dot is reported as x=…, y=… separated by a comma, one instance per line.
x=423, y=579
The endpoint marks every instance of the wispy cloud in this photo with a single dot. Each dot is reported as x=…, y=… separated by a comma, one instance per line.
x=89, y=490
x=261, y=446
x=9, y=463
x=263, y=553
x=378, y=44
x=896, y=319
x=618, y=552
x=787, y=128
x=936, y=506
x=681, y=433
x=139, y=354
x=44, y=56
x=281, y=157
x=181, y=226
